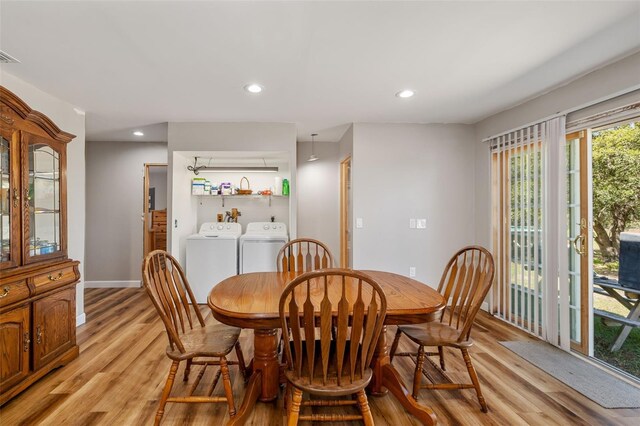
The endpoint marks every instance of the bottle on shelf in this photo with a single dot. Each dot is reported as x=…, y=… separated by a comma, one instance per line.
x=285, y=187
x=277, y=187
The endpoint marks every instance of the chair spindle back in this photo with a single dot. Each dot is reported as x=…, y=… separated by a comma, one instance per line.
x=465, y=283
x=171, y=295
x=304, y=255
x=332, y=297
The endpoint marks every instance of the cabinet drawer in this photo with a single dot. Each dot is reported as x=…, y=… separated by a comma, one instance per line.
x=54, y=279
x=12, y=292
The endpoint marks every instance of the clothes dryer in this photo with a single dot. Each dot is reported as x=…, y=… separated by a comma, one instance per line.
x=260, y=244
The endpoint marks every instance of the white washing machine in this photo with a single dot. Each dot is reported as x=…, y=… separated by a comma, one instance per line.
x=259, y=246
x=212, y=256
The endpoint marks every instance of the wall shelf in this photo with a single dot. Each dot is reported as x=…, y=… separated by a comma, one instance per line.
x=238, y=196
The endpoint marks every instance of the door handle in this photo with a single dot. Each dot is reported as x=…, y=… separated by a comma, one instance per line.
x=579, y=245
x=16, y=198
x=27, y=199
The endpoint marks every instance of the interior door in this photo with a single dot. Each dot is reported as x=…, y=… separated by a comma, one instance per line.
x=579, y=240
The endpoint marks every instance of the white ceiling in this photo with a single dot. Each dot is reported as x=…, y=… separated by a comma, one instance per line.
x=323, y=64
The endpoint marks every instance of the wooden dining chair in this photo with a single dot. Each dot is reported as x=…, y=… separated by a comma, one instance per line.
x=464, y=285
x=304, y=255
x=190, y=339
x=336, y=365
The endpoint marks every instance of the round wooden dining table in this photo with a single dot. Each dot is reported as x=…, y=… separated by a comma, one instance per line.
x=251, y=301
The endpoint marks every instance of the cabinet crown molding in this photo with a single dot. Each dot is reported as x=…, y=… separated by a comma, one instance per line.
x=25, y=112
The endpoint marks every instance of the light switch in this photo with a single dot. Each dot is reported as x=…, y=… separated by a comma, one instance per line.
x=359, y=222
x=412, y=271
x=412, y=223
x=422, y=223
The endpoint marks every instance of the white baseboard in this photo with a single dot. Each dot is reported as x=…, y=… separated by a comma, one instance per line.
x=81, y=319
x=112, y=284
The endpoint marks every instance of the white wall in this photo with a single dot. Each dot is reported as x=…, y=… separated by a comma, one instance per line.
x=67, y=119
x=182, y=209
x=613, y=80
x=251, y=137
x=319, y=195
x=403, y=171
x=252, y=209
x=115, y=200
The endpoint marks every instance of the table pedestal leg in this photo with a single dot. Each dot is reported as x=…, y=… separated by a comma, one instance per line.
x=265, y=360
x=380, y=358
x=385, y=376
x=263, y=384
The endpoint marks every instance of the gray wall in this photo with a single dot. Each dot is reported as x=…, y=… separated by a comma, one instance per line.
x=605, y=83
x=346, y=150
x=158, y=180
x=403, y=171
x=65, y=116
x=319, y=195
x=114, y=209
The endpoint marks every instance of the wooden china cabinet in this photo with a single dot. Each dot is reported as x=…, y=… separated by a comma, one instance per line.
x=37, y=279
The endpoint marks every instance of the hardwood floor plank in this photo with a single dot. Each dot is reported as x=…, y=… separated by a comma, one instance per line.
x=118, y=379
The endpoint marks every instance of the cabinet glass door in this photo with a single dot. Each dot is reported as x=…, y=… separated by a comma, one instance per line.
x=9, y=201
x=5, y=200
x=42, y=191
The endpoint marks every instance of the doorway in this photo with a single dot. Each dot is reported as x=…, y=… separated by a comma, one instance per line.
x=154, y=215
x=345, y=213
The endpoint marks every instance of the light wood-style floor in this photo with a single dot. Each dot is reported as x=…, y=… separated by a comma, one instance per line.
x=119, y=375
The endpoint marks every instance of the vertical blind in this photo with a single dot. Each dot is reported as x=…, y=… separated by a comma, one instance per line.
x=528, y=194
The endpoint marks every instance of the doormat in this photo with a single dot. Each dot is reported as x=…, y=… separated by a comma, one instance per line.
x=591, y=381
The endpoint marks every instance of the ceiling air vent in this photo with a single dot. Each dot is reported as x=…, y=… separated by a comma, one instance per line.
x=5, y=58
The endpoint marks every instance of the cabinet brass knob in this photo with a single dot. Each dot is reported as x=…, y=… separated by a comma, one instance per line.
x=38, y=334
x=52, y=278
x=5, y=291
x=26, y=341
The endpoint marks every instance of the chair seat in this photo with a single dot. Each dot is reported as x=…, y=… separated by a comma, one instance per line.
x=213, y=340
x=435, y=334
x=331, y=388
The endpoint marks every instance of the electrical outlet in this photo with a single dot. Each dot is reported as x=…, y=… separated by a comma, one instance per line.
x=412, y=223
x=412, y=271
x=359, y=222
x=422, y=223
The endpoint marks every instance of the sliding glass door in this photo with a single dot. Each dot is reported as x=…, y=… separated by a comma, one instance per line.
x=579, y=240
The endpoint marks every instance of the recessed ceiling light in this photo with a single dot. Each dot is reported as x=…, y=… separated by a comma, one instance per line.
x=253, y=88
x=405, y=93
x=138, y=133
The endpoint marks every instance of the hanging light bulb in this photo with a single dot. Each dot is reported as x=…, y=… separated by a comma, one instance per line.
x=313, y=157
